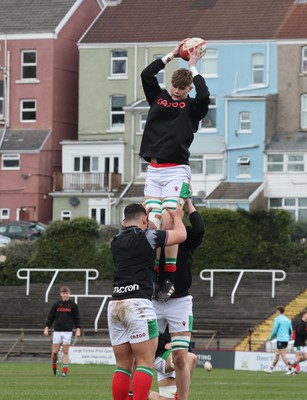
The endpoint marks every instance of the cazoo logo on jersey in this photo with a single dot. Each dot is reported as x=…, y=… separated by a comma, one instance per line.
x=126, y=289
x=174, y=104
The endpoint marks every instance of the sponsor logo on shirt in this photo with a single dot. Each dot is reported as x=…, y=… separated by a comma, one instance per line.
x=174, y=104
x=63, y=309
x=126, y=289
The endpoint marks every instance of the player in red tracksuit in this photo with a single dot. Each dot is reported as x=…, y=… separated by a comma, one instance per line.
x=65, y=315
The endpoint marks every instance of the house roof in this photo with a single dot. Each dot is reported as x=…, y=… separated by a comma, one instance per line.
x=22, y=140
x=172, y=20
x=234, y=191
x=26, y=16
x=296, y=141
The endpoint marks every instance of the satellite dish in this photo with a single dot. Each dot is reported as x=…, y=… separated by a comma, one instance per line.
x=74, y=201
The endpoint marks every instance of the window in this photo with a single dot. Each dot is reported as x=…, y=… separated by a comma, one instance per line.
x=65, y=215
x=295, y=163
x=161, y=74
x=275, y=162
x=243, y=166
x=86, y=164
x=196, y=164
x=208, y=66
x=98, y=214
x=304, y=60
x=209, y=122
x=10, y=161
x=244, y=121
x=117, y=111
x=304, y=111
x=4, y=213
x=143, y=118
x=214, y=166
x=297, y=207
x=258, y=69
x=28, y=110
x=28, y=64
x=119, y=62
x=1, y=99
x=111, y=164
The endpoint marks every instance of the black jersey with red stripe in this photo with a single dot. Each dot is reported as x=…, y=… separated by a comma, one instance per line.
x=171, y=124
x=64, y=315
x=134, y=253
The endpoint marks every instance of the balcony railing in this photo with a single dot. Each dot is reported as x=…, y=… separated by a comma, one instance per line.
x=86, y=181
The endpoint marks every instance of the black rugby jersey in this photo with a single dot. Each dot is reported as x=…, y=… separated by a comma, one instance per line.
x=134, y=253
x=183, y=274
x=170, y=124
x=300, y=334
x=64, y=315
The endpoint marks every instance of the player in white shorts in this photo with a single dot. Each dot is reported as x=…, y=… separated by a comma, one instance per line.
x=172, y=120
x=131, y=317
x=177, y=312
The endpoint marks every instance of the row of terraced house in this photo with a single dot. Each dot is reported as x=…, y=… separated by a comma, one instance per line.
x=72, y=108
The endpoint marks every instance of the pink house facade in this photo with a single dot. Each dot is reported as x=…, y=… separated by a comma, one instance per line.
x=38, y=98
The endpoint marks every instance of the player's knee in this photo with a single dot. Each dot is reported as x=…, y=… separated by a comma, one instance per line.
x=169, y=202
x=154, y=210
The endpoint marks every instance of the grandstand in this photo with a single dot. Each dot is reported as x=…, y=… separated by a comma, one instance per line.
x=217, y=322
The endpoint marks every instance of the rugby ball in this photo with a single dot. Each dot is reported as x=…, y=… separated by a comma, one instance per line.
x=191, y=44
x=208, y=366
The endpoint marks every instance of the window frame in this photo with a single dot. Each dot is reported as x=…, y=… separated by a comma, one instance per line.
x=4, y=211
x=10, y=157
x=142, y=121
x=243, y=166
x=304, y=60
x=246, y=121
x=304, y=111
x=119, y=127
x=212, y=110
x=211, y=57
x=257, y=68
x=25, y=65
x=92, y=160
x=120, y=58
x=28, y=110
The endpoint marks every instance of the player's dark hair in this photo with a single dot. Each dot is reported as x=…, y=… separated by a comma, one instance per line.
x=134, y=210
x=65, y=289
x=182, y=78
x=281, y=309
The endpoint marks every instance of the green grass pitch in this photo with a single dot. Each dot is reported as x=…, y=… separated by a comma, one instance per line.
x=33, y=381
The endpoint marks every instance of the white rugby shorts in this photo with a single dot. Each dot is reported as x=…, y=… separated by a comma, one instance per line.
x=131, y=320
x=160, y=366
x=61, y=337
x=177, y=313
x=165, y=182
x=300, y=349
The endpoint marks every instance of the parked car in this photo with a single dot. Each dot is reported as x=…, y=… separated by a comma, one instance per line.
x=4, y=240
x=19, y=230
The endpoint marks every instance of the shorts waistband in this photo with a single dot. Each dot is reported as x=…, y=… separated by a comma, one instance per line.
x=163, y=165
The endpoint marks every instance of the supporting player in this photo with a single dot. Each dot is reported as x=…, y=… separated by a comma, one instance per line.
x=64, y=314
x=177, y=312
x=131, y=317
x=172, y=120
